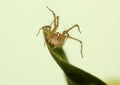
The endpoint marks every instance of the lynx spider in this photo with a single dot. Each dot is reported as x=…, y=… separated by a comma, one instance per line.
x=55, y=38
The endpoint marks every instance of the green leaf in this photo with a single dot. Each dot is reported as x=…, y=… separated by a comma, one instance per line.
x=74, y=75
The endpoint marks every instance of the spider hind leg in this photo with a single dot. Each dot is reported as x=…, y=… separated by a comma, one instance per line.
x=79, y=42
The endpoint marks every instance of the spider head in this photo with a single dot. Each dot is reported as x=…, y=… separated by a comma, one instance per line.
x=46, y=30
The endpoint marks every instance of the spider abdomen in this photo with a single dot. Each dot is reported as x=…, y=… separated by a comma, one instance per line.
x=56, y=39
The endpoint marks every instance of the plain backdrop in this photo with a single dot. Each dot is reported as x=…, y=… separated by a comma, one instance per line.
x=25, y=61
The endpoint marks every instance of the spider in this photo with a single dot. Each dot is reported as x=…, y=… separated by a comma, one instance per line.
x=55, y=38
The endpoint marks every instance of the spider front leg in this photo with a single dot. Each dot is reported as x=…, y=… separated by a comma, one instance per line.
x=55, y=25
x=55, y=21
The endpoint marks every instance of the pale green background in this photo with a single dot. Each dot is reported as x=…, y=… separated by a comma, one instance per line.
x=25, y=61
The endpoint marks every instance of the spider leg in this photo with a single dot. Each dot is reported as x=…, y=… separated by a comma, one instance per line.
x=44, y=43
x=76, y=25
x=39, y=31
x=79, y=42
x=56, y=21
x=47, y=26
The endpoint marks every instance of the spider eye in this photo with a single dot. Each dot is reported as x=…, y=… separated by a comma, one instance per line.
x=47, y=28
